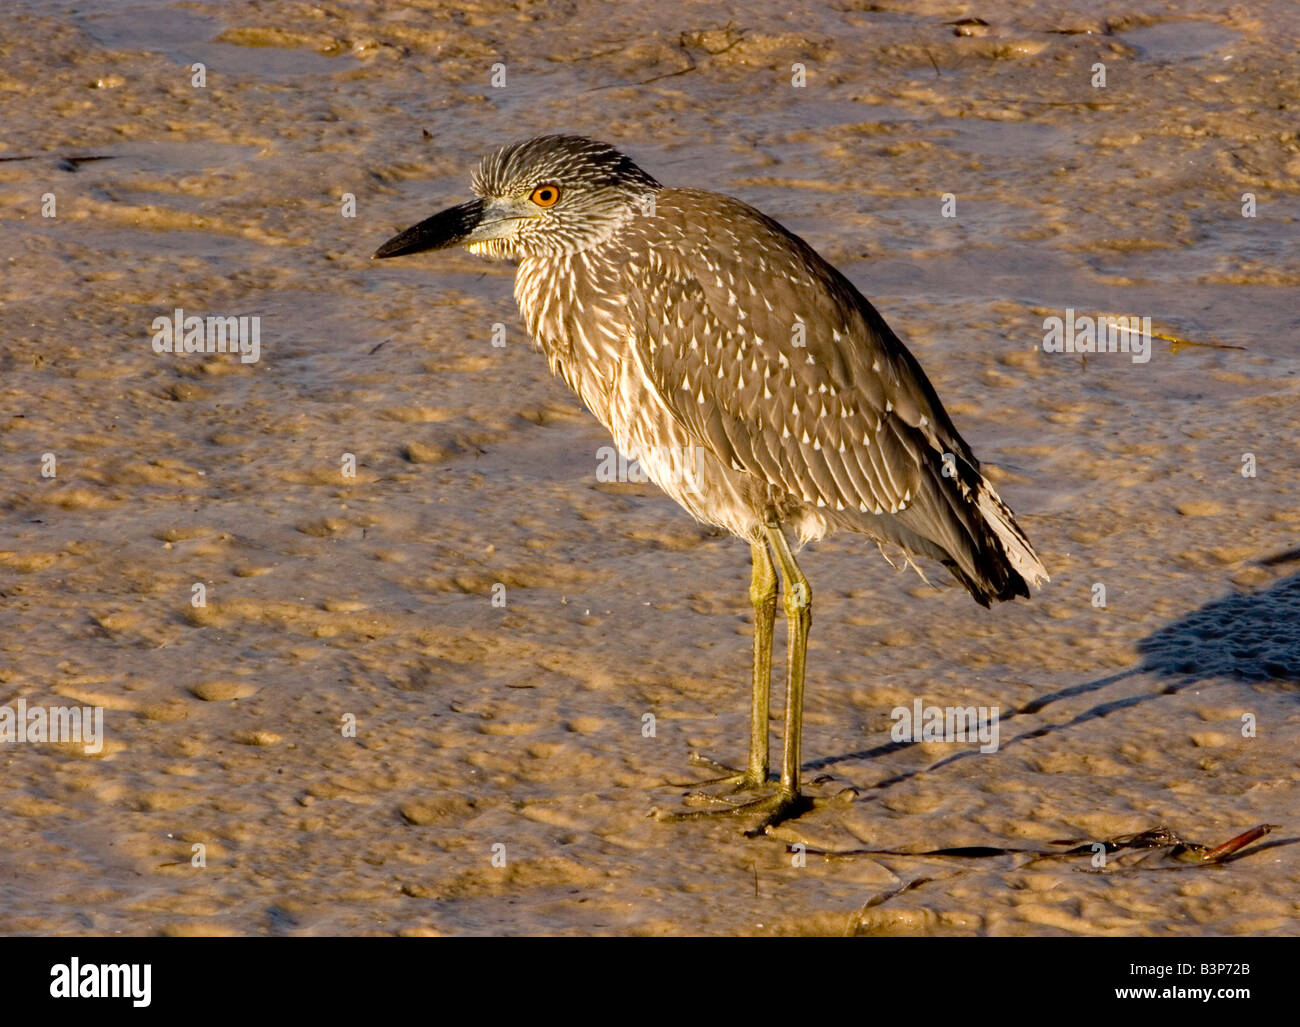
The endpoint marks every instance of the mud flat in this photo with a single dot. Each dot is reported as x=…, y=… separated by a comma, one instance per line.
x=340, y=595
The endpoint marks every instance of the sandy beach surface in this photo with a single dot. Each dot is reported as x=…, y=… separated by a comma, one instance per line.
x=358, y=740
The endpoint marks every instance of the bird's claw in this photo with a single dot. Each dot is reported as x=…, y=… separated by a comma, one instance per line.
x=698, y=759
x=729, y=781
x=779, y=806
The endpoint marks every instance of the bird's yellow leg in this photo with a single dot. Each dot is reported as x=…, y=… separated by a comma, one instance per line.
x=796, y=598
x=762, y=595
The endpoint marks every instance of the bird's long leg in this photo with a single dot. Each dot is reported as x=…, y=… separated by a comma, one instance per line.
x=797, y=601
x=762, y=595
x=796, y=598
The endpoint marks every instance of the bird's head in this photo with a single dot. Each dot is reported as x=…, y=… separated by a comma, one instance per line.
x=541, y=197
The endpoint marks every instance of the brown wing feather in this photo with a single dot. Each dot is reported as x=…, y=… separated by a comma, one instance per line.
x=771, y=358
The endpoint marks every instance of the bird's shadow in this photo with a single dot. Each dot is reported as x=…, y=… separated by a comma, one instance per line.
x=1250, y=637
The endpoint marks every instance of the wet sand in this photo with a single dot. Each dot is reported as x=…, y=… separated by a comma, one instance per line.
x=330, y=597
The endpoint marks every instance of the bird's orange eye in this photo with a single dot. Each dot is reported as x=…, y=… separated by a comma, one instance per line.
x=545, y=195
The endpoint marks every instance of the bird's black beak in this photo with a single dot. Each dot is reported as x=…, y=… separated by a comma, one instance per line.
x=444, y=229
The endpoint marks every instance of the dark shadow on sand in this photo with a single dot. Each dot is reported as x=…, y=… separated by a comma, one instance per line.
x=1251, y=637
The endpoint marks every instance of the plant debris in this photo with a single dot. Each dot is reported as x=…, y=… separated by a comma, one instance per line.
x=1161, y=845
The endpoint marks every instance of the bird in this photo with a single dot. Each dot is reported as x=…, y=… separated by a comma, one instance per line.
x=753, y=383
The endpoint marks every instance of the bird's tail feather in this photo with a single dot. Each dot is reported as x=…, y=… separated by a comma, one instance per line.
x=997, y=560
x=963, y=522
x=1015, y=546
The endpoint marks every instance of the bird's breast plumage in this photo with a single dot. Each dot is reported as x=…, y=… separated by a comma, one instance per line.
x=703, y=324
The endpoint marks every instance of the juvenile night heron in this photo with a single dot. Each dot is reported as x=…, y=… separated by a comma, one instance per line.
x=749, y=378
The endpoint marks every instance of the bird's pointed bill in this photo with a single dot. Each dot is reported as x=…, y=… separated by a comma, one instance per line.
x=447, y=228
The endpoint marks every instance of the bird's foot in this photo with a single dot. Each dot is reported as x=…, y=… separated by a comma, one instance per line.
x=729, y=781
x=781, y=805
